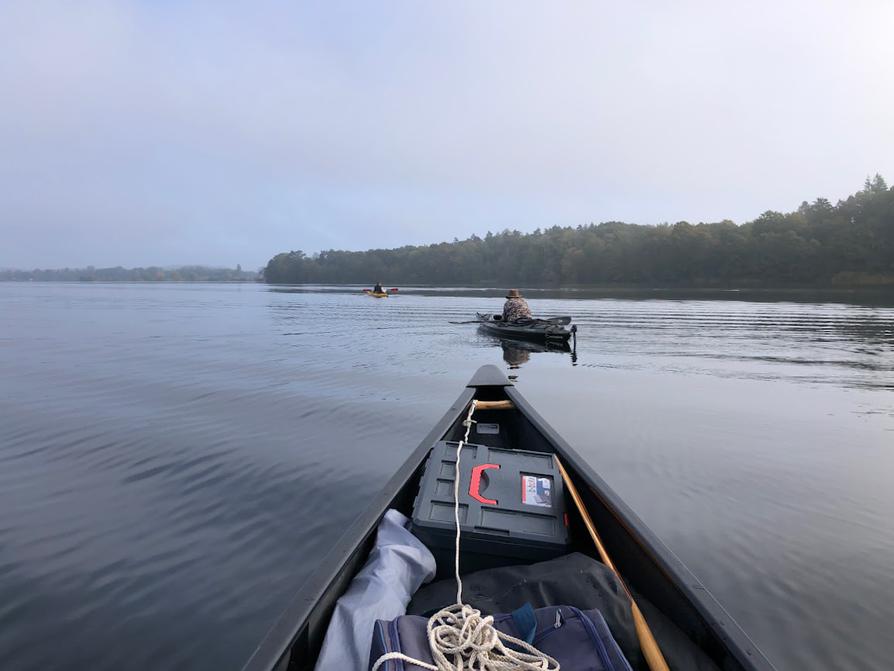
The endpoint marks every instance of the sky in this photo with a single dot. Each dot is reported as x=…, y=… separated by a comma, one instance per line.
x=166, y=133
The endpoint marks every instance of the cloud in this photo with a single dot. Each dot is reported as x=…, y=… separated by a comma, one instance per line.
x=158, y=132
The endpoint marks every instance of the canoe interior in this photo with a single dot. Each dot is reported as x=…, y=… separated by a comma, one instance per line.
x=648, y=567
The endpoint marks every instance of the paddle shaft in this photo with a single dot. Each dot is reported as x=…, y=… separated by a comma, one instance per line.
x=647, y=642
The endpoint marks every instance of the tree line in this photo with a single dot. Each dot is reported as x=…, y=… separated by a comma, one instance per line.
x=120, y=274
x=850, y=242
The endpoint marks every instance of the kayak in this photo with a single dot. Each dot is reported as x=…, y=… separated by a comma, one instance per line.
x=506, y=423
x=375, y=294
x=550, y=331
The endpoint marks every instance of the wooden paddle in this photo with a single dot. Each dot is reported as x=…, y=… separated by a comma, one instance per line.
x=647, y=642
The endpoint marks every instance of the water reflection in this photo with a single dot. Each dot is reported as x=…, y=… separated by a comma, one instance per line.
x=155, y=430
x=514, y=355
x=517, y=353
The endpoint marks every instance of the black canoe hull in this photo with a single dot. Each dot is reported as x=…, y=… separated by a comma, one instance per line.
x=647, y=565
x=539, y=332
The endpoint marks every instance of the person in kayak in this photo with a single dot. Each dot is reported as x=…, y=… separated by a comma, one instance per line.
x=378, y=288
x=515, y=307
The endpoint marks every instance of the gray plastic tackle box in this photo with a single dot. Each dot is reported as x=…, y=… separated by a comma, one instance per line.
x=512, y=507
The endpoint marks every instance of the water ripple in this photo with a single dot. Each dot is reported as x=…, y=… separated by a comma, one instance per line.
x=176, y=459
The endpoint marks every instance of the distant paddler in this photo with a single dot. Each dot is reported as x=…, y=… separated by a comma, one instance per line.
x=377, y=291
x=515, y=307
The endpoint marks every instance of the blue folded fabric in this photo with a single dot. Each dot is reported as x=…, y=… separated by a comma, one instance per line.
x=525, y=622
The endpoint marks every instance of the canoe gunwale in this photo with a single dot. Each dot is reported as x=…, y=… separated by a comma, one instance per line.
x=714, y=617
x=291, y=626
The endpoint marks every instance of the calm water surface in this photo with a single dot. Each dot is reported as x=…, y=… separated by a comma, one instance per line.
x=176, y=459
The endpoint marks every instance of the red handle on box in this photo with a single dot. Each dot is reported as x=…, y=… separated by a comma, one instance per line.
x=475, y=484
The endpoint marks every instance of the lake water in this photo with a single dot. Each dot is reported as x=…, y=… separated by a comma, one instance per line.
x=176, y=459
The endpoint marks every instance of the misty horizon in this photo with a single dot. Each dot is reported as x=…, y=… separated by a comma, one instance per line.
x=315, y=253
x=141, y=134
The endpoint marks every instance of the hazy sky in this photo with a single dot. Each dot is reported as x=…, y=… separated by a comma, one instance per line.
x=166, y=132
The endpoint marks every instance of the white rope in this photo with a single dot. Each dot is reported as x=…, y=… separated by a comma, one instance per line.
x=458, y=636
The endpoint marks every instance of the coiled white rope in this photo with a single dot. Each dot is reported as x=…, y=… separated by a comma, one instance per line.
x=459, y=637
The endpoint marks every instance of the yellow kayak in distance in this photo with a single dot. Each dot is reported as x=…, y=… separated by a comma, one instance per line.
x=375, y=294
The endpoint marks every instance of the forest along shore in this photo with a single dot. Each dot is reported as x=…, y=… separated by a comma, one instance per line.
x=850, y=243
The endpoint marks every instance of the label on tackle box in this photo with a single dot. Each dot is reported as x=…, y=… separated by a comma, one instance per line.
x=537, y=491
